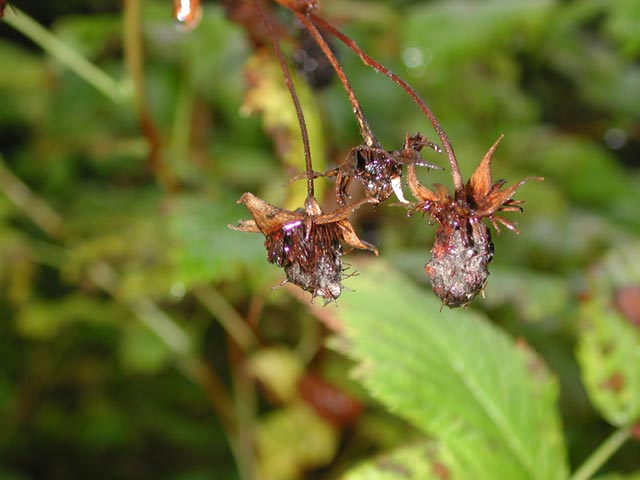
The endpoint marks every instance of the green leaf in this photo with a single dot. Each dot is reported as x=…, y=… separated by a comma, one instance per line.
x=293, y=439
x=141, y=351
x=44, y=319
x=609, y=343
x=204, y=248
x=535, y=296
x=413, y=462
x=490, y=402
x=439, y=26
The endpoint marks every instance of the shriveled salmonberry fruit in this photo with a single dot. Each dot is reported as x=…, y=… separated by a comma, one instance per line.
x=306, y=243
x=379, y=170
x=463, y=249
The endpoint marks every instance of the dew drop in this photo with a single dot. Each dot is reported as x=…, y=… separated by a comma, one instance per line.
x=187, y=14
x=615, y=138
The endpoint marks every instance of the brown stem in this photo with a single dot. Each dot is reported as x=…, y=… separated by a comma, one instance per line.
x=458, y=184
x=134, y=59
x=365, y=129
x=296, y=102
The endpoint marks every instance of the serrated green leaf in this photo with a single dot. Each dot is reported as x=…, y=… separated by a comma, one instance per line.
x=491, y=403
x=413, y=462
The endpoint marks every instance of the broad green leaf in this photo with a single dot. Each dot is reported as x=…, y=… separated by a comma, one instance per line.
x=490, y=402
x=413, y=462
x=609, y=344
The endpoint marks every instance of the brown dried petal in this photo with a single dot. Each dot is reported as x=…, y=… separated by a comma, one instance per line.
x=267, y=217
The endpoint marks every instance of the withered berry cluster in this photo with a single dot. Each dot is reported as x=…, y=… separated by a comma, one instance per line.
x=308, y=243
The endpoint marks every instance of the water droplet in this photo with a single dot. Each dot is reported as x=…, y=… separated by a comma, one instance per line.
x=615, y=138
x=178, y=290
x=187, y=14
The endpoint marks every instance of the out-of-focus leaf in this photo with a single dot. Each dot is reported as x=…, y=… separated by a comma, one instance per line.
x=413, y=462
x=141, y=351
x=620, y=476
x=587, y=172
x=279, y=370
x=205, y=249
x=454, y=30
x=291, y=440
x=622, y=24
x=44, y=319
x=534, y=295
x=490, y=402
x=609, y=343
x=89, y=35
x=608, y=356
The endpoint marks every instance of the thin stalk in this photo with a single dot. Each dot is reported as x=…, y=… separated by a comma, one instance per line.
x=458, y=184
x=365, y=129
x=21, y=196
x=296, y=102
x=598, y=458
x=64, y=53
x=233, y=323
x=134, y=59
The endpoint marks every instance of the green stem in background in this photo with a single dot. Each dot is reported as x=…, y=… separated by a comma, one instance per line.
x=64, y=54
x=598, y=458
x=233, y=323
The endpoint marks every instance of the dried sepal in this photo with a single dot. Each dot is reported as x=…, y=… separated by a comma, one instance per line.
x=306, y=243
x=463, y=249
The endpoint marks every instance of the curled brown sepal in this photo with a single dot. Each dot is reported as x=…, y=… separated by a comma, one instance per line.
x=462, y=251
x=307, y=243
x=379, y=170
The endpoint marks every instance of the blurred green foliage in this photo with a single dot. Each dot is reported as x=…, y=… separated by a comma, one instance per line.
x=141, y=338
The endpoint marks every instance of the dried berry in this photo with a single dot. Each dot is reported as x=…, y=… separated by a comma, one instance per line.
x=307, y=243
x=458, y=268
x=379, y=170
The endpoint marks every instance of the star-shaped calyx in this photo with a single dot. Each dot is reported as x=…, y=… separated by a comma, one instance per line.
x=462, y=250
